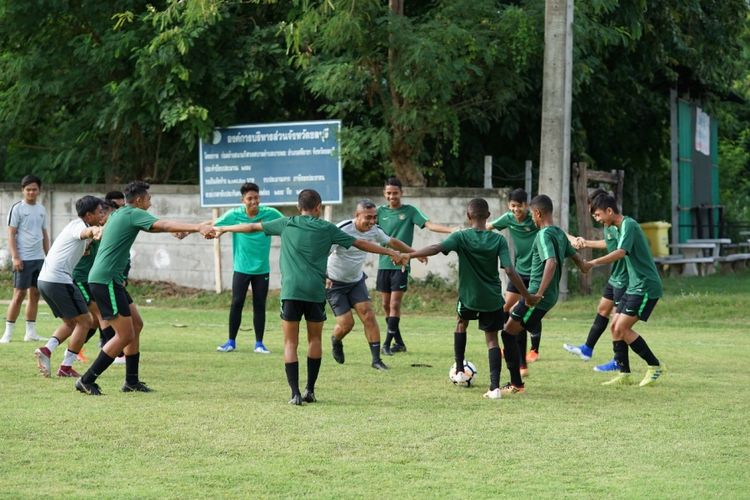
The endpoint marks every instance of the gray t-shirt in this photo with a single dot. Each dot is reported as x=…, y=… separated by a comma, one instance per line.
x=345, y=264
x=29, y=221
x=64, y=254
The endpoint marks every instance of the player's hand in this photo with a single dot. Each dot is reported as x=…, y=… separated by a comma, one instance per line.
x=533, y=300
x=423, y=260
x=180, y=235
x=96, y=232
x=579, y=243
x=329, y=283
x=207, y=231
x=17, y=264
x=586, y=266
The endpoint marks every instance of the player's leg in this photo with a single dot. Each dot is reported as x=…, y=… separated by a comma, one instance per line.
x=491, y=323
x=315, y=316
x=639, y=308
x=240, y=283
x=372, y=331
x=291, y=314
x=459, y=340
x=394, y=322
x=603, y=311
x=68, y=304
x=133, y=355
x=338, y=298
x=259, y=284
x=43, y=354
x=32, y=302
x=383, y=285
x=14, y=309
x=81, y=327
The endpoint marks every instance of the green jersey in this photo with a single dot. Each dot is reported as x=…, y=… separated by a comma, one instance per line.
x=643, y=278
x=120, y=232
x=551, y=243
x=81, y=271
x=618, y=276
x=250, y=251
x=478, y=252
x=399, y=223
x=523, y=234
x=305, y=244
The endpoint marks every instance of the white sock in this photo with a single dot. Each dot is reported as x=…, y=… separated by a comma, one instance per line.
x=69, y=358
x=52, y=344
x=30, y=327
x=9, y=325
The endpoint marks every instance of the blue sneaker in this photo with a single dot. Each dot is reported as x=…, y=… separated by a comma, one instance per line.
x=609, y=366
x=582, y=351
x=261, y=349
x=227, y=346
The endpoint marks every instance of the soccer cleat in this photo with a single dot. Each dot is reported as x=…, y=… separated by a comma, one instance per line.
x=582, y=351
x=42, y=360
x=532, y=356
x=652, y=375
x=493, y=394
x=337, y=349
x=90, y=389
x=620, y=379
x=67, y=371
x=137, y=387
x=82, y=357
x=227, y=346
x=609, y=366
x=460, y=378
x=260, y=348
x=398, y=348
x=379, y=365
x=511, y=390
x=524, y=371
x=32, y=337
x=308, y=397
x=386, y=349
x=296, y=400
x=6, y=338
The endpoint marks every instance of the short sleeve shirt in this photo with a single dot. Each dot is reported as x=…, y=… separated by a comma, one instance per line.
x=305, y=244
x=399, y=223
x=113, y=257
x=551, y=243
x=81, y=271
x=250, y=251
x=29, y=221
x=479, y=251
x=345, y=264
x=523, y=234
x=618, y=276
x=64, y=254
x=643, y=278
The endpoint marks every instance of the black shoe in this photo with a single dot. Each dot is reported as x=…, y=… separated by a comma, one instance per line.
x=386, y=350
x=90, y=389
x=337, y=349
x=379, y=365
x=398, y=348
x=296, y=400
x=308, y=397
x=137, y=387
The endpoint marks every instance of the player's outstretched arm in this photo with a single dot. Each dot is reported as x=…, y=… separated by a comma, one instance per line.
x=251, y=227
x=168, y=226
x=426, y=251
x=439, y=228
x=582, y=264
x=583, y=243
x=609, y=258
x=92, y=233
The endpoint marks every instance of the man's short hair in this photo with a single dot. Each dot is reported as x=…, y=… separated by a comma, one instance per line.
x=603, y=202
x=393, y=181
x=87, y=204
x=114, y=195
x=541, y=202
x=249, y=186
x=30, y=179
x=308, y=199
x=365, y=204
x=136, y=189
x=595, y=194
x=478, y=208
x=518, y=195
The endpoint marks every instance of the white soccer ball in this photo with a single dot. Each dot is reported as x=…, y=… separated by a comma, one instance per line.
x=465, y=377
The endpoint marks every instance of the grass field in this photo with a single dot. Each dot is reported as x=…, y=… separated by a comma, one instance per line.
x=219, y=424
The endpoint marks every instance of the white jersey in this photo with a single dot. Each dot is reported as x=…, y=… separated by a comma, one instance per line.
x=64, y=254
x=29, y=221
x=345, y=264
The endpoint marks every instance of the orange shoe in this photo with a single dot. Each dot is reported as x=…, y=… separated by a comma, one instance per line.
x=511, y=390
x=532, y=356
x=82, y=357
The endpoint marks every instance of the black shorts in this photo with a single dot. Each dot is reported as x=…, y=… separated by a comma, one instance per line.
x=391, y=280
x=65, y=299
x=85, y=291
x=489, y=321
x=637, y=305
x=512, y=288
x=294, y=310
x=612, y=293
x=27, y=277
x=112, y=299
x=529, y=317
x=343, y=296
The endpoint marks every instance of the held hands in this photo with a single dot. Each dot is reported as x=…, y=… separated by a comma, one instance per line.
x=96, y=232
x=579, y=243
x=586, y=266
x=180, y=236
x=533, y=300
x=207, y=231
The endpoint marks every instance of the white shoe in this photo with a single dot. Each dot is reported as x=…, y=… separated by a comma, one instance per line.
x=119, y=360
x=32, y=337
x=460, y=378
x=6, y=338
x=493, y=394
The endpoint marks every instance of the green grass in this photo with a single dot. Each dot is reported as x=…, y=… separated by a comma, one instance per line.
x=219, y=424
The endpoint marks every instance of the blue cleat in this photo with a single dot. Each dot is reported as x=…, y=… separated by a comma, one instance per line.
x=261, y=349
x=582, y=351
x=609, y=366
x=227, y=346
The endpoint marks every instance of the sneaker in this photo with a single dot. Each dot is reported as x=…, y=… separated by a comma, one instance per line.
x=296, y=400
x=386, y=349
x=90, y=389
x=227, y=346
x=609, y=366
x=119, y=360
x=137, y=387
x=398, y=348
x=379, y=365
x=620, y=379
x=6, y=338
x=493, y=394
x=42, y=360
x=259, y=348
x=460, y=378
x=308, y=397
x=82, y=357
x=524, y=371
x=582, y=351
x=67, y=371
x=532, y=356
x=510, y=390
x=32, y=337
x=337, y=349
x=652, y=375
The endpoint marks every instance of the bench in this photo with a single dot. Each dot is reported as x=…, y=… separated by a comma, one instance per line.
x=733, y=262
x=685, y=266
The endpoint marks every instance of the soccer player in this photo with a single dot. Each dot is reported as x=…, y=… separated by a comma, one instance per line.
x=643, y=291
x=28, y=242
x=106, y=282
x=551, y=246
x=398, y=221
x=250, y=253
x=480, y=294
x=57, y=288
x=345, y=285
x=305, y=244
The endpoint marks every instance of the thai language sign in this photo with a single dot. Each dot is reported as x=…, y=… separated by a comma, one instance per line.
x=281, y=158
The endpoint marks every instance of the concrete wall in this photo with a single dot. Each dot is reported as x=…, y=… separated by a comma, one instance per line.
x=191, y=262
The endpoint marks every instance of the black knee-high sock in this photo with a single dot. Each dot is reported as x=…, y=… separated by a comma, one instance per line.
x=100, y=364
x=536, y=338
x=292, y=377
x=521, y=339
x=132, y=362
x=397, y=330
x=389, y=332
x=107, y=334
x=375, y=351
x=597, y=328
x=510, y=343
x=459, y=349
x=91, y=333
x=641, y=348
x=621, y=355
x=313, y=368
x=496, y=364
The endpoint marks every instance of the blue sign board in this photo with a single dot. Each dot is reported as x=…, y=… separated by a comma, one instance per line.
x=281, y=158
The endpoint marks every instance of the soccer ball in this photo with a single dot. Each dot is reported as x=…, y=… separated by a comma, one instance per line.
x=469, y=372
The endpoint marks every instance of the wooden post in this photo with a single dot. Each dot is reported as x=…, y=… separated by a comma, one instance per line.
x=217, y=256
x=580, y=180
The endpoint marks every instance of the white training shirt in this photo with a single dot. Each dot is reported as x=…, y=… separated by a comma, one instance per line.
x=29, y=221
x=64, y=254
x=345, y=264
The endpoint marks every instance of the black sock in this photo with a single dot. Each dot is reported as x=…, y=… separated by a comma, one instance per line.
x=397, y=331
x=375, y=351
x=100, y=364
x=131, y=368
x=496, y=364
x=510, y=344
x=292, y=377
x=641, y=348
x=521, y=343
x=313, y=368
x=107, y=334
x=389, y=332
x=91, y=333
x=459, y=349
x=536, y=338
x=597, y=328
x=621, y=355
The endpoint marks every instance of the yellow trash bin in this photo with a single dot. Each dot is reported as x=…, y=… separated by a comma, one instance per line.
x=657, y=234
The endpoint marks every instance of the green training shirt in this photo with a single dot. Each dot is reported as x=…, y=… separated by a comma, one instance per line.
x=81, y=271
x=305, y=244
x=399, y=223
x=120, y=231
x=643, y=278
x=478, y=252
x=523, y=234
x=618, y=276
x=250, y=251
x=551, y=243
